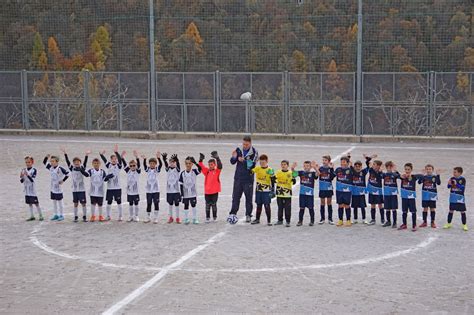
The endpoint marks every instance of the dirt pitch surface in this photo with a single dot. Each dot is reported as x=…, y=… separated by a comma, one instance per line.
x=120, y=267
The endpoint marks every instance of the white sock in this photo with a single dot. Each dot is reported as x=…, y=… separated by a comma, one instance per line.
x=84, y=210
x=38, y=208
x=136, y=210
x=120, y=212
x=186, y=214
x=194, y=213
x=93, y=210
x=107, y=209
x=31, y=210
x=130, y=210
x=156, y=214
x=148, y=214
x=55, y=207
x=100, y=210
x=170, y=210
x=176, y=208
x=75, y=211
x=61, y=207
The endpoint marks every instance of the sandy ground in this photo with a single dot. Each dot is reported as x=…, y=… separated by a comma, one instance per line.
x=63, y=268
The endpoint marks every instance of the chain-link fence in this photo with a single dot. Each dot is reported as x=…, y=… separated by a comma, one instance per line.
x=419, y=104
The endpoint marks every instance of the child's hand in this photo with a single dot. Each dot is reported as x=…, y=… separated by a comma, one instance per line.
x=116, y=148
x=174, y=157
x=61, y=182
x=135, y=153
x=201, y=157
x=293, y=166
x=88, y=152
x=191, y=158
x=63, y=149
x=214, y=154
x=123, y=153
x=158, y=154
x=143, y=156
x=102, y=152
x=164, y=155
x=234, y=154
x=241, y=159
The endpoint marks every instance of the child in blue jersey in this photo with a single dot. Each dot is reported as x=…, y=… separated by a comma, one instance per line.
x=326, y=175
x=374, y=188
x=306, y=198
x=408, y=194
x=457, y=202
x=429, y=194
x=390, y=193
x=359, y=191
x=344, y=190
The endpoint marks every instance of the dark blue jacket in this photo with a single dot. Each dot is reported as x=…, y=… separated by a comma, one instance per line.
x=243, y=169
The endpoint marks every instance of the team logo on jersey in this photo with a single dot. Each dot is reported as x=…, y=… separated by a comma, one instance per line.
x=347, y=172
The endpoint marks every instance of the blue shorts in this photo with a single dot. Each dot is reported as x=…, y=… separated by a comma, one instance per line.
x=133, y=199
x=375, y=199
x=428, y=204
x=358, y=201
x=390, y=202
x=31, y=200
x=343, y=197
x=408, y=205
x=56, y=196
x=262, y=198
x=97, y=200
x=113, y=194
x=306, y=201
x=173, y=199
x=326, y=193
x=79, y=197
x=457, y=207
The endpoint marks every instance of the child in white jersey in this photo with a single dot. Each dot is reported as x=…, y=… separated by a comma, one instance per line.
x=58, y=176
x=98, y=177
x=133, y=175
x=78, y=187
x=173, y=195
x=27, y=178
x=114, y=190
x=187, y=181
x=152, y=187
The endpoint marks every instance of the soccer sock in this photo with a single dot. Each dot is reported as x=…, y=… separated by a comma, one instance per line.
x=301, y=215
x=55, y=207
x=107, y=210
x=170, y=210
x=348, y=214
x=148, y=207
x=268, y=213
x=340, y=213
x=176, y=209
x=93, y=210
x=186, y=214
x=321, y=213
x=31, y=210
x=355, y=213
x=75, y=211
x=330, y=212
x=61, y=207
x=130, y=210
x=432, y=215
x=194, y=213
x=136, y=210
x=120, y=212
x=84, y=210
x=362, y=210
x=394, y=216
x=387, y=215
x=259, y=213
x=100, y=210
x=311, y=214
x=382, y=214
x=214, y=211
x=463, y=218
x=372, y=213
x=208, y=211
x=404, y=218
x=156, y=214
x=450, y=217
x=413, y=219
x=38, y=208
x=425, y=216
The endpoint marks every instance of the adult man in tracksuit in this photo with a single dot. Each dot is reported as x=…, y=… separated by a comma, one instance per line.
x=245, y=159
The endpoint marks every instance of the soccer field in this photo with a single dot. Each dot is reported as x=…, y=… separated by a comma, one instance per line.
x=121, y=267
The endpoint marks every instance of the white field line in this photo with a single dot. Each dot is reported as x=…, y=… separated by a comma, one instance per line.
x=160, y=275
x=363, y=261
x=296, y=145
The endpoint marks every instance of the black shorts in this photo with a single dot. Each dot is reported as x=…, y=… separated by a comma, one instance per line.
x=408, y=205
x=375, y=199
x=79, y=197
x=428, y=204
x=390, y=202
x=173, y=199
x=56, y=196
x=97, y=200
x=343, y=197
x=187, y=201
x=457, y=207
x=326, y=193
x=133, y=199
x=358, y=201
x=211, y=199
x=153, y=197
x=306, y=201
x=31, y=200
x=114, y=194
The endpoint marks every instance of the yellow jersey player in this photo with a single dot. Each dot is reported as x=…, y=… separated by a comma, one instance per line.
x=264, y=190
x=284, y=178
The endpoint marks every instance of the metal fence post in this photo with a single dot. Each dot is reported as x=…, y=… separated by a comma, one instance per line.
x=153, y=116
x=120, y=106
x=321, y=107
x=217, y=112
x=24, y=100
x=88, y=110
x=359, y=71
x=431, y=106
x=471, y=99
x=184, y=111
x=286, y=107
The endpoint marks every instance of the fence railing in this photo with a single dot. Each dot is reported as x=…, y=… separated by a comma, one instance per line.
x=418, y=104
